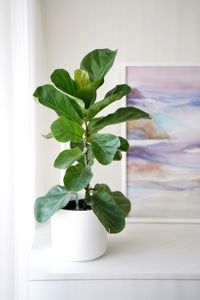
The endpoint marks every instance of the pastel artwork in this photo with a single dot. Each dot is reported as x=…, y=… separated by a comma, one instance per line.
x=163, y=166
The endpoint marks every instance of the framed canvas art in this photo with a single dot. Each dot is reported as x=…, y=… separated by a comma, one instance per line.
x=163, y=161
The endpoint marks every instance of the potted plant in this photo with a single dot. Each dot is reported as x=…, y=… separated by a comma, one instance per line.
x=79, y=227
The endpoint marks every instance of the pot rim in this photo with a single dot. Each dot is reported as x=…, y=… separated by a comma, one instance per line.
x=75, y=211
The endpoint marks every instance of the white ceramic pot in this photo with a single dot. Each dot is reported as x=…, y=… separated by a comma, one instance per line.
x=78, y=235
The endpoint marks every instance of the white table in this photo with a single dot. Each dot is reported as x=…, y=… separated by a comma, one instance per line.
x=144, y=262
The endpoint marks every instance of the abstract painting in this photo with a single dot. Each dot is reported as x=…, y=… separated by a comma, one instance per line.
x=163, y=161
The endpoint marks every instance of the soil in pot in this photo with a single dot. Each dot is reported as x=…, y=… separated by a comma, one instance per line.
x=77, y=205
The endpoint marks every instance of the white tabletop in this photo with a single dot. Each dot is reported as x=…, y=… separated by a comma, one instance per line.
x=141, y=251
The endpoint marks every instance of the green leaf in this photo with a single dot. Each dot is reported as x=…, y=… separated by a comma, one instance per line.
x=115, y=94
x=90, y=157
x=87, y=94
x=81, y=78
x=118, y=155
x=75, y=90
x=123, y=202
x=77, y=177
x=65, y=130
x=57, y=198
x=79, y=145
x=78, y=101
x=104, y=147
x=49, y=96
x=48, y=135
x=102, y=187
x=108, y=212
x=119, y=91
x=98, y=62
x=121, y=115
x=124, y=145
x=63, y=81
x=67, y=157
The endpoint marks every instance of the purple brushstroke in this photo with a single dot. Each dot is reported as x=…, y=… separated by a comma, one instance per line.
x=169, y=153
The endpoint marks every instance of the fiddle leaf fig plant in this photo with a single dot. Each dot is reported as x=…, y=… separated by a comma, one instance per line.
x=74, y=101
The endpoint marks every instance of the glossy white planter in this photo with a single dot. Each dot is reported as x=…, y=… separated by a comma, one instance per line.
x=78, y=235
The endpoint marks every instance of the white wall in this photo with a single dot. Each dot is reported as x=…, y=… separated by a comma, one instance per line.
x=144, y=31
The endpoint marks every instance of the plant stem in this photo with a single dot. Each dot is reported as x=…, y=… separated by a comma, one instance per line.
x=85, y=143
x=87, y=188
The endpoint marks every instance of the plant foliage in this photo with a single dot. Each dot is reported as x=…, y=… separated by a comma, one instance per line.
x=74, y=102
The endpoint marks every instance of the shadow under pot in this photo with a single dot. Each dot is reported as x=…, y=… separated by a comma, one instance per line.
x=77, y=234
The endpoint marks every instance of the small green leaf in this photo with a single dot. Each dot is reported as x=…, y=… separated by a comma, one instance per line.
x=57, y=198
x=90, y=157
x=108, y=212
x=124, y=145
x=49, y=96
x=102, y=187
x=48, y=135
x=98, y=62
x=123, y=202
x=118, y=155
x=67, y=157
x=63, y=81
x=81, y=78
x=121, y=115
x=104, y=147
x=115, y=94
x=65, y=130
x=119, y=91
x=77, y=177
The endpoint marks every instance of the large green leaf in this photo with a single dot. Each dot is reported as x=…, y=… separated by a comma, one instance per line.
x=98, y=62
x=121, y=115
x=123, y=202
x=55, y=199
x=65, y=130
x=115, y=94
x=77, y=177
x=108, y=212
x=63, y=81
x=49, y=96
x=67, y=157
x=104, y=147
